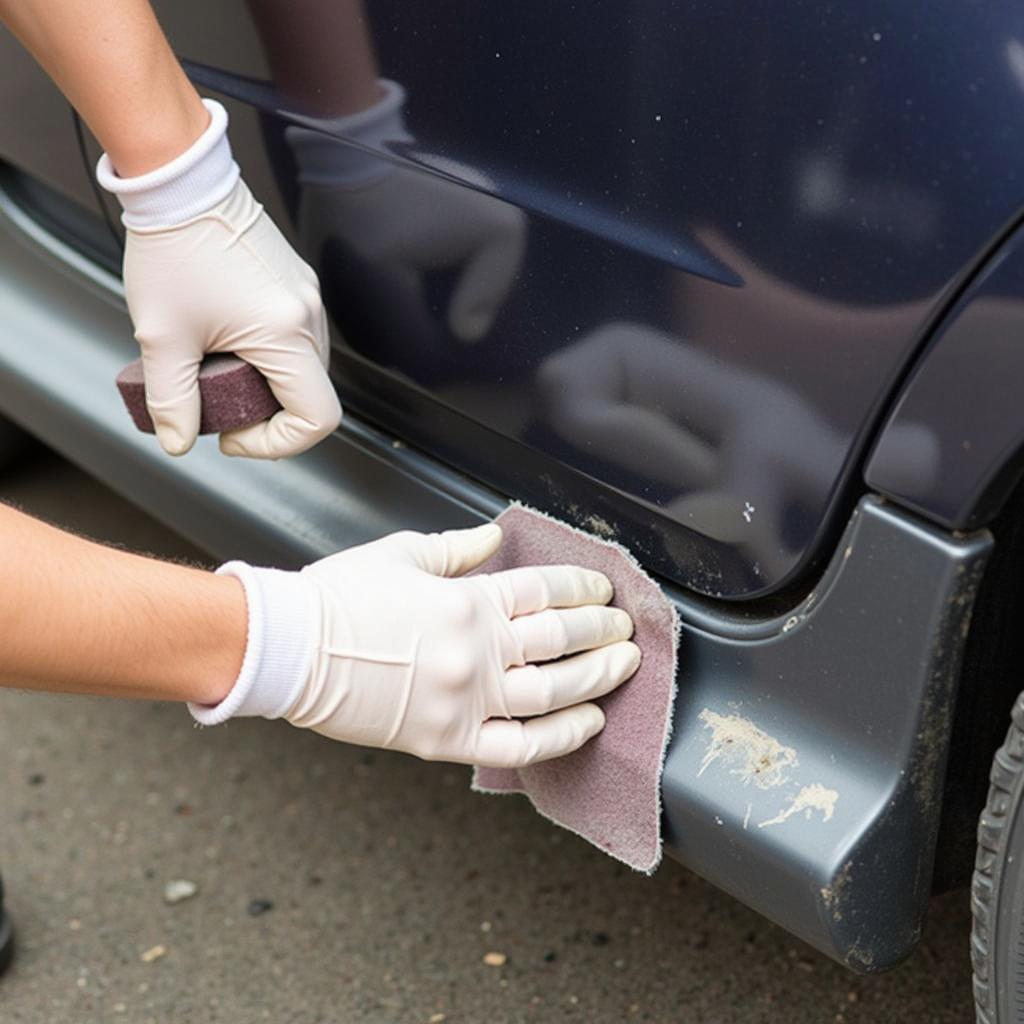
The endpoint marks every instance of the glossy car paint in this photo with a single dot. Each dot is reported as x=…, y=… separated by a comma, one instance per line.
x=964, y=405
x=739, y=225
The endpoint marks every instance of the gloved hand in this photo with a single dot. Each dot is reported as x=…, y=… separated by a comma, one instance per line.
x=206, y=270
x=391, y=645
x=406, y=222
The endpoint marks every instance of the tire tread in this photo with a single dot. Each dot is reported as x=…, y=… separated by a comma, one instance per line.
x=1006, y=779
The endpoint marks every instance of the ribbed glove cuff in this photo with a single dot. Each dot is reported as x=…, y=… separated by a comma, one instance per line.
x=278, y=646
x=324, y=158
x=189, y=185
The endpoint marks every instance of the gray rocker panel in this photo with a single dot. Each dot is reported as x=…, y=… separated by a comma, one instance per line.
x=805, y=776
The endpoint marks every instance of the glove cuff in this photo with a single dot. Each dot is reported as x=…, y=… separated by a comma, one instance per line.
x=189, y=185
x=278, y=646
x=326, y=159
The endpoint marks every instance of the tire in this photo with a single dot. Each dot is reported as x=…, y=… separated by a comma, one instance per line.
x=997, y=888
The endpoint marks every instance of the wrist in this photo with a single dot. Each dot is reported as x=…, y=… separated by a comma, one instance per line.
x=279, y=637
x=158, y=125
x=190, y=184
x=222, y=644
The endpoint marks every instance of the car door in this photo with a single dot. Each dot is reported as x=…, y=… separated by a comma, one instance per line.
x=655, y=267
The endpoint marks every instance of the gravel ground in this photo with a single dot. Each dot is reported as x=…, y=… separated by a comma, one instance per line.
x=383, y=882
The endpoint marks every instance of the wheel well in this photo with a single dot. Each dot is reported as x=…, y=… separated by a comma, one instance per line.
x=991, y=677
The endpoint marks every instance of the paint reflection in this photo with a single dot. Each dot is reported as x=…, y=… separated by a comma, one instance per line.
x=363, y=217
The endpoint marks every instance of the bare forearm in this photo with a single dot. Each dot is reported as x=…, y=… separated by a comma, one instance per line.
x=80, y=617
x=114, y=64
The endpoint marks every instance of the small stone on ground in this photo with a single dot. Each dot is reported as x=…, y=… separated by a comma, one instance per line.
x=180, y=889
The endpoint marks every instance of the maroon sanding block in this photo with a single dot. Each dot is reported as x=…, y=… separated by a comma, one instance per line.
x=232, y=393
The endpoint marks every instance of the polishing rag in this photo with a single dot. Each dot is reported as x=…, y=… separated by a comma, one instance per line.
x=608, y=791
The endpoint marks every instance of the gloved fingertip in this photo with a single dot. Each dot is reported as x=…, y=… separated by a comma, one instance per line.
x=486, y=539
x=635, y=656
x=594, y=720
x=172, y=441
x=621, y=624
x=624, y=659
x=234, y=447
x=604, y=589
x=488, y=532
x=456, y=552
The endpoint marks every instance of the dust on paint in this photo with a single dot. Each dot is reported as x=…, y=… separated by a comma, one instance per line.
x=814, y=797
x=747, y=751
x=599, y=525
x=834, y=895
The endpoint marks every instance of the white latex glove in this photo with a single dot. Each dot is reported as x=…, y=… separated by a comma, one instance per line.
x=403, y=221
x=391, y=645
x=206, y=270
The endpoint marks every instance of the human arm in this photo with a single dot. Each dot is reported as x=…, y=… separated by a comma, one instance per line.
x=81, y=617
x=205, y=269
x=387, y=645
x=99, y=55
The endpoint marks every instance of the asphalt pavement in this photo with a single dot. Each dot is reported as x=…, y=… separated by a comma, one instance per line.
x=339, y=885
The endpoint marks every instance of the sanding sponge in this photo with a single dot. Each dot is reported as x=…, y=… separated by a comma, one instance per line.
x=232, y=392
x=609, y=791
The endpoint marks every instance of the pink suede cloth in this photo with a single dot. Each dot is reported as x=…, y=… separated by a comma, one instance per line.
x=609, y=791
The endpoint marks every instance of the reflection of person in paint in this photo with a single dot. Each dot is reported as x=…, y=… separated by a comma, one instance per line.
x=394, y=223
x=388, y=644
x=706, y=432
